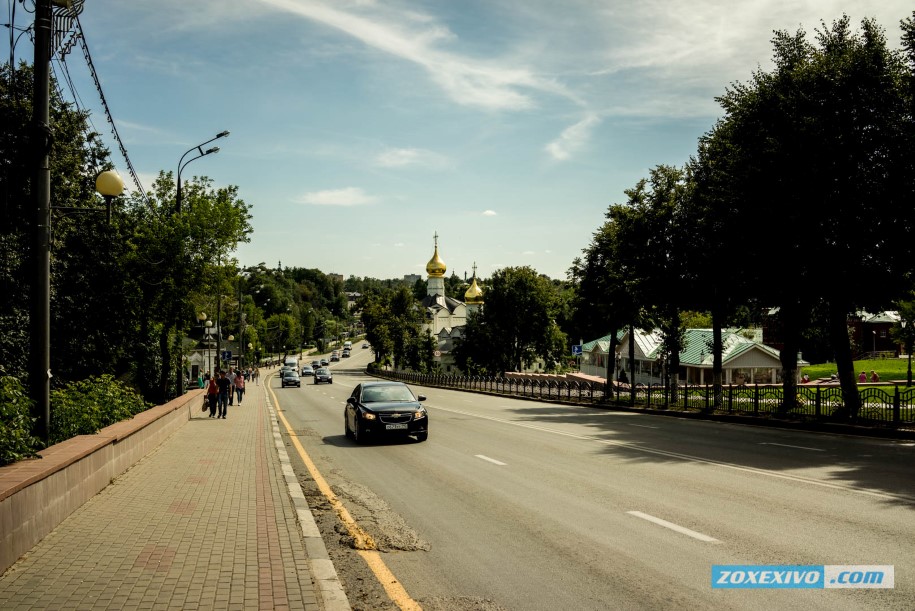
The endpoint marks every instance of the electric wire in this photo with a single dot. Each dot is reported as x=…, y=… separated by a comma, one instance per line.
x=114, y=129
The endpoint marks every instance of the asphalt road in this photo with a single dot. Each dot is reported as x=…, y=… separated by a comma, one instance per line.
x=521, y=505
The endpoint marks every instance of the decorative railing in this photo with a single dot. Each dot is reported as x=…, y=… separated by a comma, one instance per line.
x=883, y=405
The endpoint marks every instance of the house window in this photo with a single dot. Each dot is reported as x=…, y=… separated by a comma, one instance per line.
x=883, y=333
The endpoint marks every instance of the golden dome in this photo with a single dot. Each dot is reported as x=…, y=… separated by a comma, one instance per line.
x=436, y=267
x=474, y=295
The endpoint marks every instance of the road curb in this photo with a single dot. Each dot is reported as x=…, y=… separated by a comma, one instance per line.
x=323, y=572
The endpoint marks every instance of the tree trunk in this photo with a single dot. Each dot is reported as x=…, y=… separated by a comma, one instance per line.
x=838, y=335
x=166, y=362
x=632, y=365
x=717, y=348
x=790, y=319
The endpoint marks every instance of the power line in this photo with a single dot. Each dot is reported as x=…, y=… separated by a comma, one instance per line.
x=114, y=129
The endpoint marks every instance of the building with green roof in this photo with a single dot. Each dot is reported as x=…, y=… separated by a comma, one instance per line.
x=745, y=358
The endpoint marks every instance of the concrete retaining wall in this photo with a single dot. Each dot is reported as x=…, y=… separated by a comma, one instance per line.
x=38, y=494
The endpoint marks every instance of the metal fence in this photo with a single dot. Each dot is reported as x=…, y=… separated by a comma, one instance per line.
x=890, y=406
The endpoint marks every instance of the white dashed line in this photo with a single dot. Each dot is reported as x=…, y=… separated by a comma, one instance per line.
x=675, y=527
x=785, y=445
x=492, y=460
x=644, y=426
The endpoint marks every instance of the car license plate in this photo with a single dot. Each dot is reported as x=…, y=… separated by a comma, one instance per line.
x=396, y=426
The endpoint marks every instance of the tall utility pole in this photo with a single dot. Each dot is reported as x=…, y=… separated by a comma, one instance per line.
x=40, y=316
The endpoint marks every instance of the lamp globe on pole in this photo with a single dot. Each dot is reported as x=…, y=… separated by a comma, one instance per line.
x=110, y=185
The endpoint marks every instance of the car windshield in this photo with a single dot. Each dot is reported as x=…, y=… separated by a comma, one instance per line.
x=289, y=374
x=376, y=394
x=322, y=371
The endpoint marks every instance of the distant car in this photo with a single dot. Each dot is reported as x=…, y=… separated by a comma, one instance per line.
x=291, y=378
x=334, y=358
x=316, y=363
x=323, y=374
x=308, y=370
x=365, y=344
x=285, y=368
x=380, y=408
x=324, y=362
x=346, y=354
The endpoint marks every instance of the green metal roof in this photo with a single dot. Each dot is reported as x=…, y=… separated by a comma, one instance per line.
x=697, y=346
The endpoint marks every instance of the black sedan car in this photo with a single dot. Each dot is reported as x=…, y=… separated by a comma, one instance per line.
x=323, y=374
x=291, y=378
x=381, y=408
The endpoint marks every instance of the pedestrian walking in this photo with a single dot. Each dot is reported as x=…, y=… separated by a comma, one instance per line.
x=212, y=396
x=231, y=377
x=224, y=393
x=239, y=387
x=257, y=375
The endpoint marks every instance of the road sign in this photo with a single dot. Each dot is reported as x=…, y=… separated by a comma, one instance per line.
x=227, y=355
x=437, y=353
x=576, y=350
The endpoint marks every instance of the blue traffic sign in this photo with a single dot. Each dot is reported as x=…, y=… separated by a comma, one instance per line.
x=576, y=350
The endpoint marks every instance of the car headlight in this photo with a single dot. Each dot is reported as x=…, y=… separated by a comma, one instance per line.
x=368, y=416
x=419, y=414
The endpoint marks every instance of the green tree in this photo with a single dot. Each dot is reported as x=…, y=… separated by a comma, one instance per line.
x=93, y=298
x=817, y=152
x=516, y=327
x=173, y=256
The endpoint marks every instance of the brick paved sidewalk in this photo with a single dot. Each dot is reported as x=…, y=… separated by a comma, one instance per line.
x=208, y=520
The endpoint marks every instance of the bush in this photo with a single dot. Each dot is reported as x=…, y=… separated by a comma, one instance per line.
x=86, y=406
x=16, y=422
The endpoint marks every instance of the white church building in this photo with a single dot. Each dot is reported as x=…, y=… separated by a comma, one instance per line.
x=445, y=317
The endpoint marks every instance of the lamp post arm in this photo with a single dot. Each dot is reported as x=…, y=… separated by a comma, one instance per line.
x=181, y=163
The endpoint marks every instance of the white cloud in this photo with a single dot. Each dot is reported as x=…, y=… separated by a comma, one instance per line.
x=350, y=196
x=489, y=213
x=401, y=157
x=572, y=138
x=528, y=253
x=419, y=38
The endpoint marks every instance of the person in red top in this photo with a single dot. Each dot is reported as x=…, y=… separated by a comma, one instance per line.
x=874, y=376
x=212, y=393
x=862, y=377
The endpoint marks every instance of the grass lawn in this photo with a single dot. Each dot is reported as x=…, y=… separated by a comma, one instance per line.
x=887, y=369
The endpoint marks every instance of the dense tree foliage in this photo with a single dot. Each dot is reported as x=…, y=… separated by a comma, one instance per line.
x=798, y=199
x=821, y=144
x=393, y=325
x=516, y=327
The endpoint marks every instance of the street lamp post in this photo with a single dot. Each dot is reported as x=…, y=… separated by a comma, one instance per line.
x=210, y=369
x=201, y=153
x=181, y=165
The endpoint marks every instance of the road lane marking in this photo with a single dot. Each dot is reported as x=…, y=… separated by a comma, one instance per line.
x=492, y=460
x=675, y=527
x=646, y=450
x=363, y=542
x=785, y=445
x=644, y=426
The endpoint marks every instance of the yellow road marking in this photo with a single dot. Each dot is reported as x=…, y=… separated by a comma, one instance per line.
x=364, y=543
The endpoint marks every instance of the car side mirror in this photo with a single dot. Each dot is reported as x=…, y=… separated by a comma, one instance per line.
x=420, y=398
x=351, y=401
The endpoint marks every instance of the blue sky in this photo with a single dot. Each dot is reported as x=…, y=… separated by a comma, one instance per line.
x=360, y=128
